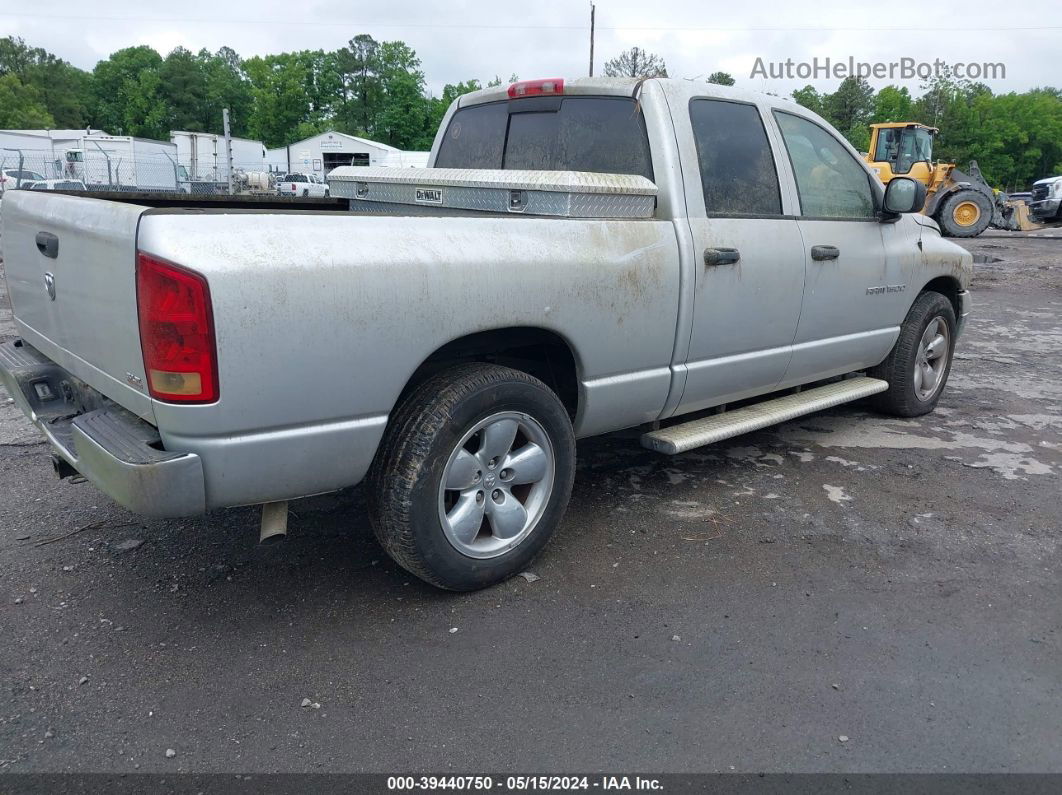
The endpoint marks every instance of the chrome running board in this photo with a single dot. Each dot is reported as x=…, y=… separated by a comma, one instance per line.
x=696, y=433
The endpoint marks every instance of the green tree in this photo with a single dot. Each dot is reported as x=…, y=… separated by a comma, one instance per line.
x=129, y=95
x=721, y=78
x=437, y=107
x=636, y=62
x=809, y=98
x=21, y=106
x=893, y=104
x=402, y=121
x=358, y=67
x=497, y=81
x=225, y=86
x=850, y=108
x=291, y=91
x=62, y=89
x=184, y=90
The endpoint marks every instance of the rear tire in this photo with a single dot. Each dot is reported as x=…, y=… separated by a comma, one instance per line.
x=472, y=476
x=918, y=366
x=966, y=213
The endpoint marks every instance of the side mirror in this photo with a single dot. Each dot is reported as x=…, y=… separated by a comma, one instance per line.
x=904, y=195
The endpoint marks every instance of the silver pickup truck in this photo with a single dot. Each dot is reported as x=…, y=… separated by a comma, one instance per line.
x=185, y=357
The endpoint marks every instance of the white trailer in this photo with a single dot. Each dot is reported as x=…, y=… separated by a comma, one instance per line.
x=121, y=162
x=101, y=161
x=23, y=157
x=205, y=162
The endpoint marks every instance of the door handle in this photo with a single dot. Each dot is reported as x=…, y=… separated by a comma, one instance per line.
x=825, y=252
x=48, y=244
x=721, y=256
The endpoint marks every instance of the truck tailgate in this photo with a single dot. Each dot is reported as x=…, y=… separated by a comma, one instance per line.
x=71, y=274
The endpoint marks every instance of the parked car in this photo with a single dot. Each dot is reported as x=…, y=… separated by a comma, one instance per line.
x=1046, y=202
x=663, y=247
x=58, y=184
x=16, y=178
x=301, y=185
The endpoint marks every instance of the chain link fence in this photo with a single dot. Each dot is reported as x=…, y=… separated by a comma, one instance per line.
x=156, y=172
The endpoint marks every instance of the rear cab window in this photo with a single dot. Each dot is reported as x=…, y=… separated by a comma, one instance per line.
x=604, y=135
x=738, y=174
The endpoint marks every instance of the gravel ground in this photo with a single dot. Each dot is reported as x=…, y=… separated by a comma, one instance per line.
x=740, y=607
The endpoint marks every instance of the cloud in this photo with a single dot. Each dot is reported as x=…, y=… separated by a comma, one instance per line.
x=465, y=39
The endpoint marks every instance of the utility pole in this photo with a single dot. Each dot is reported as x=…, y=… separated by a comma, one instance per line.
x=591, y=40
x=228, y=146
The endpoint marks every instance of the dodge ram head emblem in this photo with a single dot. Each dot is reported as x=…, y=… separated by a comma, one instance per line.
x=49, y=284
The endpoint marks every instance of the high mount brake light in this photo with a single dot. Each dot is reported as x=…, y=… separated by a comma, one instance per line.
x=176, y=332
x=533, y=88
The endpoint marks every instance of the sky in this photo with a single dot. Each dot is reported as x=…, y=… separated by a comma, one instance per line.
x=463, y=39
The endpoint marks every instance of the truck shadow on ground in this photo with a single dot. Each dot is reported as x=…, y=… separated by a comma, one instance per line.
x=330, y=552
x=707, y=512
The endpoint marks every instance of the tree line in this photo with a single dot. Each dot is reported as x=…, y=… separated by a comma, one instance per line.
x=1016, y=138
x=368, y=88
x=378, y=90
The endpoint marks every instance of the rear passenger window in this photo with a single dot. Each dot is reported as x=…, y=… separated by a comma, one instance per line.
x=830, y=182
x=475, y=137
x=737, y=169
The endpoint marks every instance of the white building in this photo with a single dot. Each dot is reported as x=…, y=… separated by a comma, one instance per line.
x=407, y=160
x=321, y=153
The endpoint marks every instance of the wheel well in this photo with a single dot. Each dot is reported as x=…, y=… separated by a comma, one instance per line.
x=538, y=352
x=947, y=287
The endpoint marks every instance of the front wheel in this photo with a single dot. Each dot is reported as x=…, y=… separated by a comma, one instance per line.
x=966, y=213
x=472, y=477
x=918, y=366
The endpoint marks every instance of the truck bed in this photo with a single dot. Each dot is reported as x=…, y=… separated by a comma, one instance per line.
x=209, y=202
x=329, y=312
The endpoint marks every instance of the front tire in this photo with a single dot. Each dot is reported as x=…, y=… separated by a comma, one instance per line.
x=472, y=477
x=918, y=366
x=966, y=213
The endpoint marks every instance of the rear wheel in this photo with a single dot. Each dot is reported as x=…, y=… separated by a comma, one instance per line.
x=918, y=366
x=966, y=213
x=472, y=476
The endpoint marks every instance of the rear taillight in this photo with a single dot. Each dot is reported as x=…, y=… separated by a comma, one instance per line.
x=532, y=88
x=176, y=332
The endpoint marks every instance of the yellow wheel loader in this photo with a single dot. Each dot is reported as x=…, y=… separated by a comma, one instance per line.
x=963, y=204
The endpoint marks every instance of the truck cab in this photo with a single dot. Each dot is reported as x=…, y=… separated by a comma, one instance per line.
x=1045, y=204
x=902, y=149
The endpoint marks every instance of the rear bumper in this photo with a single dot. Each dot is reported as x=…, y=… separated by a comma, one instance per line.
x=113, y=448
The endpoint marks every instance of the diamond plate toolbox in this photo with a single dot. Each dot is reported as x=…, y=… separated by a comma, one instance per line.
x=570, y=194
